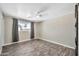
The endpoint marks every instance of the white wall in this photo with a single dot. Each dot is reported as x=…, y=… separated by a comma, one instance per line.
x=38, y=30
x=1, y=31
x=78, y=33
x=60, y=30
x=8, y=29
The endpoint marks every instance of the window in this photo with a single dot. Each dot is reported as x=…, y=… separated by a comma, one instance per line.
x=23, y=25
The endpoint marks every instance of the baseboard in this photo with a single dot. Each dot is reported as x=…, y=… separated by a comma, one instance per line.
x=15, y=42
x=59, y=44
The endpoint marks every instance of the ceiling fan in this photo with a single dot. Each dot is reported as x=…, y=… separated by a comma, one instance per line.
x=42, y=11
x=39, y=13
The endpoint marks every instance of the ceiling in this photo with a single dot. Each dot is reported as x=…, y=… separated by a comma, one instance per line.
x=37, y=11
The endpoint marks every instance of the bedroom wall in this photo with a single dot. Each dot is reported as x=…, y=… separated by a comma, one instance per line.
x=38, y=29
x=59, y=30
x=8, y=29
x=78, y=33
x=78, y=36
x=1, y=31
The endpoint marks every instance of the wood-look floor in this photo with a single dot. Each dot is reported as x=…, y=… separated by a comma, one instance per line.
x=36, y=48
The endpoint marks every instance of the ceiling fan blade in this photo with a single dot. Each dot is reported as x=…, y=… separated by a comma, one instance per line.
x=40, y=12
x=43, y=9
x=43, y=15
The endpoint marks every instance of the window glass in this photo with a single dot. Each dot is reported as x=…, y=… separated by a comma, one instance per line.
x=23, y=25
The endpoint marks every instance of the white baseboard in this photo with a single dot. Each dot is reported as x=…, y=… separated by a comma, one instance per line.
x=59, y=43
x=16, y=42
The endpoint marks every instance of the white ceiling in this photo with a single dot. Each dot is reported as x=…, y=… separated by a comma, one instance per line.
x=29, y=11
